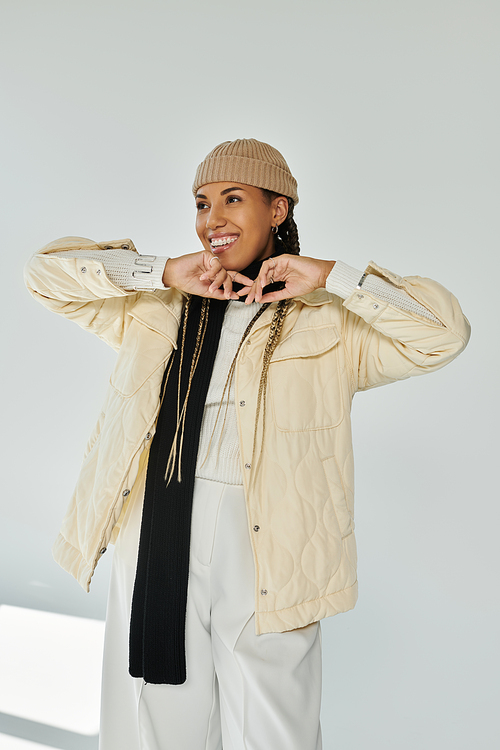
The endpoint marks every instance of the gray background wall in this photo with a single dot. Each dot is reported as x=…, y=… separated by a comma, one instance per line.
x=387, y=112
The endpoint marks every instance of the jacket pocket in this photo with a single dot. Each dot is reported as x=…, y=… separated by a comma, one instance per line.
x=143, y=351
x=341, y=493
x=304, y=380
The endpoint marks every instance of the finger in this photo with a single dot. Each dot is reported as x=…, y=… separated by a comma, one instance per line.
x=251, y=294
x=275, y=296
x=217, y=280
x=218, y=294
x=256, y=289
x=228, y=288
x=242, y=279
x=210, y=275
x=243, y=291
x=212, y=265
x=262, y=280
x=222, y=279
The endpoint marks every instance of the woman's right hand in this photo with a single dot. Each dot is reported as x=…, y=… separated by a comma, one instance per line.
x=202, y=274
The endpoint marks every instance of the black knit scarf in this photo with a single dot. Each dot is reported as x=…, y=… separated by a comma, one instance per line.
x=158, y=619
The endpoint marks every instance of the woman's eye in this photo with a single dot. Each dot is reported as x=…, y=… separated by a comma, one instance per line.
x=200, y=206
x=234, y=198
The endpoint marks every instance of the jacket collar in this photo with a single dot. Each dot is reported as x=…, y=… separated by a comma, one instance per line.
x=314, y=299
x=161, y=310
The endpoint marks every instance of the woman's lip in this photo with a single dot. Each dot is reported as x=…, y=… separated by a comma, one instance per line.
x=220, y=248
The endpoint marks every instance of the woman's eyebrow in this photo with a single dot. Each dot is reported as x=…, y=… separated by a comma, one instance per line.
x=228, y=190
x=224, y=192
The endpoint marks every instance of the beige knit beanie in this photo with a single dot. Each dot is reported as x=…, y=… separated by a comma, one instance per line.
x=250, y=162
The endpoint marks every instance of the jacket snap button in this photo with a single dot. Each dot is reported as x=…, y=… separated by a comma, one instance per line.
x=102, y=551
x=108, y=247
x=248, y=466
x=375, y=306
x=98, y=271
x=361, y=296
x=263, y=592
x=83, y=269
x=256, y=528
x=126, y=493
x=148, y=436
x=125, y=247
x=242, y=403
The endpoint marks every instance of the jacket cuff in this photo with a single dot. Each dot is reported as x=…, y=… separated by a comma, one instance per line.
x=342, y=279
x=147, y=272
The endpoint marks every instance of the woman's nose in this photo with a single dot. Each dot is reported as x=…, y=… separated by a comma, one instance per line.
x=215, y=218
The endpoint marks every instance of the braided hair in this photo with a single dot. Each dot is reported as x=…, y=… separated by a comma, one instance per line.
x=288, y=233
x=288, y=236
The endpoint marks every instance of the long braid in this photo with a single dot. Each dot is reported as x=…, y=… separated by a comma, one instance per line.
x=275, y=330
x=272, y=342
x=288, y=235
x=229, y=379
x=181, y=413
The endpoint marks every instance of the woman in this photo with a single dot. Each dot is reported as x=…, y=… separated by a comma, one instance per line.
x=221, y=464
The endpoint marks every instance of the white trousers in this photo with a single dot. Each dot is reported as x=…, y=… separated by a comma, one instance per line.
x=243, y=691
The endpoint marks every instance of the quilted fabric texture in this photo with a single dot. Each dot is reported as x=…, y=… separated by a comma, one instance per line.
x=299, y=485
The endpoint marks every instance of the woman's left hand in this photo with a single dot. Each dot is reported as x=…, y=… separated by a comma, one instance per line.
x=300, y=275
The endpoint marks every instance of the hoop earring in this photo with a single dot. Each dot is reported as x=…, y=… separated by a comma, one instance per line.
x=274, y=229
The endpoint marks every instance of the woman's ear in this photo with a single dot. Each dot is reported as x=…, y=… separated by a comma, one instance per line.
x=280, y=209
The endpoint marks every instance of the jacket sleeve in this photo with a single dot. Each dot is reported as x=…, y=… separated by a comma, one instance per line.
x=65, y=278
x=397, y=327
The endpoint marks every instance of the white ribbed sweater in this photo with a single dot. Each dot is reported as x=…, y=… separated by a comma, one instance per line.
x=223, y=461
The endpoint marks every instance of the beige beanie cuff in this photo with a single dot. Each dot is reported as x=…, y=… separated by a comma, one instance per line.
x=261, y=166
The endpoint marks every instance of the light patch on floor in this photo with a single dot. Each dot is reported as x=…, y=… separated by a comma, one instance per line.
x=50, y=670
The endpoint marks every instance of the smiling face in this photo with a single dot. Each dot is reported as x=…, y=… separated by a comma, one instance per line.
x=234, y=222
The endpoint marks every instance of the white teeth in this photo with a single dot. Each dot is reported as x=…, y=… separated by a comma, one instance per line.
x=223, y=241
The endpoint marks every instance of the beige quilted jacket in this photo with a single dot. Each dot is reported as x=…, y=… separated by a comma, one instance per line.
x=300, y=492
